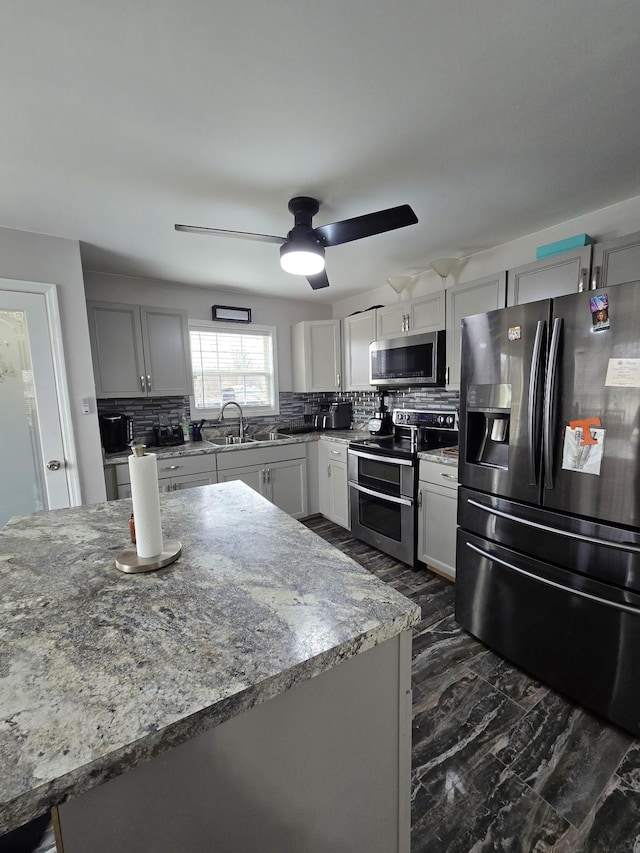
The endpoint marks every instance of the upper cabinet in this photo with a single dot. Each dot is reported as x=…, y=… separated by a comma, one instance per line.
x=358, y=331
x=139, y=351
x=469, y=297
x=555, y=276
x=315, y=355
x=424, y=314
x=616, y=261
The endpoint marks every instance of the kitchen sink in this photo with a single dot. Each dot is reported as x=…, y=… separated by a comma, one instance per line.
x=230, y=440
x=270, y=436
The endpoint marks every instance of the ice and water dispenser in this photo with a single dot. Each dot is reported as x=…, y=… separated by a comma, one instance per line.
x=488, y=414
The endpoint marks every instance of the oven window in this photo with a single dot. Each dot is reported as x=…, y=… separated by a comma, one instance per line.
x=379, y=475
x=381, y=516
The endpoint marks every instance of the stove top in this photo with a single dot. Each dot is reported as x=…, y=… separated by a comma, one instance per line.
x=415, y=430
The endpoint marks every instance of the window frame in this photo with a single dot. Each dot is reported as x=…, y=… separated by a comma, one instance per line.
x=263, y=331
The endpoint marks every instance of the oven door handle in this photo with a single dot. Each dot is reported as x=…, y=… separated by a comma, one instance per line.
x=391, y=498
x=390, y=460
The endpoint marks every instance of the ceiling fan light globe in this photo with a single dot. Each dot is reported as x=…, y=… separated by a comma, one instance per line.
x=445, y=266
x=297, y=261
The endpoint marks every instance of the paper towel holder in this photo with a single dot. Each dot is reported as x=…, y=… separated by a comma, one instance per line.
x=128, y=560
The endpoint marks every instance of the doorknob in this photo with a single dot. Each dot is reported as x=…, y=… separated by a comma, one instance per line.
x=53, y=465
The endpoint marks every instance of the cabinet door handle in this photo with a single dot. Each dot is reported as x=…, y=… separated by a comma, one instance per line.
x=338, y=379
x=583, y=283
x=148, y=382
x=268, y=475
x=328, y=470
x=169, y=467
x=142, y=385
x=335, y=453
x=420, y=498
x=449, y=476
x=264, y=477
x=446, y=376
x=595, y=278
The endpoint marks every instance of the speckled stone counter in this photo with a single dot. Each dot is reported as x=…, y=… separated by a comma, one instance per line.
x=100, y=670
x=193, y=448
x=440, y=456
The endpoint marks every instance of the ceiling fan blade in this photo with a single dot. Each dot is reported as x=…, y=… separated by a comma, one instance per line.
x=366, y=226
x=318, y=281
x=243, y=235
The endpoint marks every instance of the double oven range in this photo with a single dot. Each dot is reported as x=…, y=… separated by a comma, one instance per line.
x=383, y=479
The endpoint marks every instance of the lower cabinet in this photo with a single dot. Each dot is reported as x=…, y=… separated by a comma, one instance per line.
x=277, y=473
x=333, y=482
x=437, y=516
x=174, y=473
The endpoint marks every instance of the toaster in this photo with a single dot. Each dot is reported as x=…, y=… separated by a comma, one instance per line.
x=168, y=435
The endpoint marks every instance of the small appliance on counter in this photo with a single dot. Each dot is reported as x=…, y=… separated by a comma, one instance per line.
x=340, y=416
x=381, y=422
x=333, y=416
x=168, y=436
x=116, y=431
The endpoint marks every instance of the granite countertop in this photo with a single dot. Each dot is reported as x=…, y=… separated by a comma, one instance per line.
x=192, y=448
x=100, y=670
x=441, y=456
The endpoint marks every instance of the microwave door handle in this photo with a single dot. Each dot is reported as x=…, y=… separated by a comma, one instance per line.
x=548, y=425
x=534, y=382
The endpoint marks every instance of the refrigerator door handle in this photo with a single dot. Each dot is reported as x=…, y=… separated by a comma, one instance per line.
x=614, y=604
x=593, y=540
x=549, y=400
x=534, y=382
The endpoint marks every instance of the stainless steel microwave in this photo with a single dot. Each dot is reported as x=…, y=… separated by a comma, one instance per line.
x=409, y=360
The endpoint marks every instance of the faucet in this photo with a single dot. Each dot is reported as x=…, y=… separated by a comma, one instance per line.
x=221, y=416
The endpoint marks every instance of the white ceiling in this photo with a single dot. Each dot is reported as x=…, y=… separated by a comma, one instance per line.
x=492, y=118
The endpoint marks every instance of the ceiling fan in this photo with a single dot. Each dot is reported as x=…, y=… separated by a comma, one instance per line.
x=302, y=250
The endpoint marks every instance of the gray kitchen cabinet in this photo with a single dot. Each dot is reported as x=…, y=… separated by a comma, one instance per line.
x=174, y=473
x=616, y=261
x=333, y=482
x=139, y=351
x=277, y=473
x=423, y=314
x=437, y=511
x=565, y=273
x=316, y=356
x=358, y=331
x=463, y=300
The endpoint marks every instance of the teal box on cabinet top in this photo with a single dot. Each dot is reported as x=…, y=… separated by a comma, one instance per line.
x=576, y=242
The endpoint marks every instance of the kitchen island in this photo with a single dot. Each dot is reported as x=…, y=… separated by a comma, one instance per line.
x=253, y=695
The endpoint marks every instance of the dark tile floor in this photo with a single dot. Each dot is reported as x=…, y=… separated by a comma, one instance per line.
x=501, y=763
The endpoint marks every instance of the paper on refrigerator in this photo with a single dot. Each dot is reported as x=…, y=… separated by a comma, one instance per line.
x=580, y=457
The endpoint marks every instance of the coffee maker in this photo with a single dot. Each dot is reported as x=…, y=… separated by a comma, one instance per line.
x=116, y=431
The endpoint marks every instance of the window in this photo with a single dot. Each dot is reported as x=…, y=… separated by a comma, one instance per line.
x=232, y=364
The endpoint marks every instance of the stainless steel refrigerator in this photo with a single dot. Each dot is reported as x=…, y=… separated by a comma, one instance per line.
x=548, y=548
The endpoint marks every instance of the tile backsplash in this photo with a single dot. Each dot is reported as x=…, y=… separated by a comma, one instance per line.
x=147, y=413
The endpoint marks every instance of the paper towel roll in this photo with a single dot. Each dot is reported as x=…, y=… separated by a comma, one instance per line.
x=146, y=504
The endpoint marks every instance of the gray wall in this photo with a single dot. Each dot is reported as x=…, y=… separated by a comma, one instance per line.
x=197, y=301
x=53, y=260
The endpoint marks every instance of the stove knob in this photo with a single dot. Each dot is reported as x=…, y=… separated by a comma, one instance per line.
x=440, y=419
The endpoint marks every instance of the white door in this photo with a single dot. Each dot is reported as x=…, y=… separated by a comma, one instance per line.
x=32, y=458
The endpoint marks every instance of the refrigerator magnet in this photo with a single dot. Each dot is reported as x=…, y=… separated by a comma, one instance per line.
x=599, y=307
x=514, y=333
